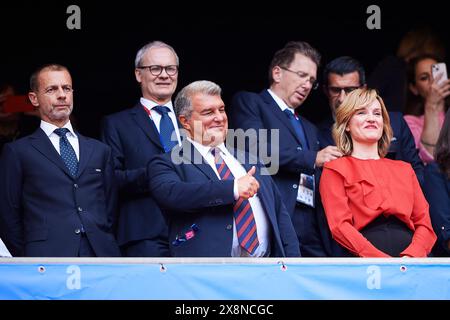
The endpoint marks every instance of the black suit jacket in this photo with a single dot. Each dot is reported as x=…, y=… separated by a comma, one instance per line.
x=134, y=140
x=43, y=208
x=260, y=111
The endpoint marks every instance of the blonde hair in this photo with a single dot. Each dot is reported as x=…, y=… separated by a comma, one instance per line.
x=355, y=101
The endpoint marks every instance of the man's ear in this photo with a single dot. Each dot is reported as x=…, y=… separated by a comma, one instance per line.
x=412, y=87
x=276, y=74
x=184, y=122
x=138, y=75
x=33, y=99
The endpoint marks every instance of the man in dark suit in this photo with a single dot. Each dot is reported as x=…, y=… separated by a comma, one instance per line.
x=292, y=76
x=215, y=204
x=345, y=74
x=137, y=134
x=57, y=194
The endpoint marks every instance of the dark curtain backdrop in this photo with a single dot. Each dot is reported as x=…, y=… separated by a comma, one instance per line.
x=229, y=42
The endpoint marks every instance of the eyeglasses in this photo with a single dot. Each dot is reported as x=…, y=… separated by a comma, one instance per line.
x=305, y=77
x=157, y=70
x=334, y=91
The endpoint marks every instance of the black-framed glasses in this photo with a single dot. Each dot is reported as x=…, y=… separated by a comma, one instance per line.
x=157, y=70
x=305, y=77
x=335, y=91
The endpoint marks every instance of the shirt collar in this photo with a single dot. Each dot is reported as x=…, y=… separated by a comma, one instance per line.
x=206, y=150
x=283, y=106
x=48, y=128
x=149, y=104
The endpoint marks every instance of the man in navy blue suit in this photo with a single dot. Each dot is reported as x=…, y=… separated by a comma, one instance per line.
x=345, y=74
x=57, y=191
x=292, y=76
x=137, y=134
x=215, y=204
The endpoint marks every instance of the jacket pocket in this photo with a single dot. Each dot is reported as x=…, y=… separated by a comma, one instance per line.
x=36, y=235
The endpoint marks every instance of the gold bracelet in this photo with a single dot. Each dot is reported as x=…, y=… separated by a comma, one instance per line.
x=427, y=144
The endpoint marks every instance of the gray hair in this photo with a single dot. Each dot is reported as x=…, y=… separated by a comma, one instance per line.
x=183, y=101
x=151, y=45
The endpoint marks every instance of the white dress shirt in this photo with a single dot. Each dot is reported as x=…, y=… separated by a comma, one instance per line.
x=281, y=104
x=156, y=116
x=54, y=138
x=261, y=220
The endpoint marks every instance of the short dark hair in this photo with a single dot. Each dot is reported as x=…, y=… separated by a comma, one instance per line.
x=285, y=56
x=442, y=151
x=34, y=84
x=344, y=65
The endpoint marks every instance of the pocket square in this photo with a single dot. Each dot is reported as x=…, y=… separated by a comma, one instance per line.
x=189, y=234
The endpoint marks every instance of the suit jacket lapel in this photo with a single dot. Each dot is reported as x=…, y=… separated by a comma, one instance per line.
x=147, y=125
x=42, y=143
x=276, y=111
x=197, y=160
x=309, y=130
x=86, y=150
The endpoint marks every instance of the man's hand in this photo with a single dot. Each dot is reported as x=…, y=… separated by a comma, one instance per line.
x=327, y=154
x=248, y=185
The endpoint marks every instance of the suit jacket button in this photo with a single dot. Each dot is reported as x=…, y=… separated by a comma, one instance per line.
x=75, y=186
x=299, y=148
x=80, y=209
x=294, y=186
x=229, y=227
x=77, y=231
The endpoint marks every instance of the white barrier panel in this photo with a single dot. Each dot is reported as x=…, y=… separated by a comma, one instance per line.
x=224, y=279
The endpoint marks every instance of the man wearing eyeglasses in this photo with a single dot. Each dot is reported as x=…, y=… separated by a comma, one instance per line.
x=292, y=76
x=135, y=136
x=345, y=74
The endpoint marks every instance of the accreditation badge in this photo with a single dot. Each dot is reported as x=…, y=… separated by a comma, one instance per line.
x=306, y=190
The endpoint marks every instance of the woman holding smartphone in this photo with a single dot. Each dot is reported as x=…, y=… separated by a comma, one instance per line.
x=426, y=104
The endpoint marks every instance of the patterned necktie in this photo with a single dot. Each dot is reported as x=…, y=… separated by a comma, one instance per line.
x=166, y=128
x=243, y=213
x=298, y=128
x=67, y=153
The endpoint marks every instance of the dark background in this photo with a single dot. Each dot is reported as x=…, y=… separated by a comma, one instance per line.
x=230, y=43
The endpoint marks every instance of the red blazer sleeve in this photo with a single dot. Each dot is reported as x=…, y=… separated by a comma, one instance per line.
x=424, y=236
x=339, y=216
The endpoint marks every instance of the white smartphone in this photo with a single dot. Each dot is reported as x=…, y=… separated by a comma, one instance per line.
x=439, y=69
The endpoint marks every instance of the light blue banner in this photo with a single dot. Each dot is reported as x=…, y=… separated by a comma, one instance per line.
x=224, y=279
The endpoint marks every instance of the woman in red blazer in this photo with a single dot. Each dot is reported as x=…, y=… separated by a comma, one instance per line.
x=374, y=205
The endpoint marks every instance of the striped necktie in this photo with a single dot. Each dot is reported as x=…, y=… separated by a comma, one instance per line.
x=243, y=213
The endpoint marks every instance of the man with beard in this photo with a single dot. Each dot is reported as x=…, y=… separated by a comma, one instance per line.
x=57, y=194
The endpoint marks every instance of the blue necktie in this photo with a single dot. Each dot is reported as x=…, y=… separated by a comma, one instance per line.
x=166, y=128
x=67, y=153
x=243, y=213
x=298, y=129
